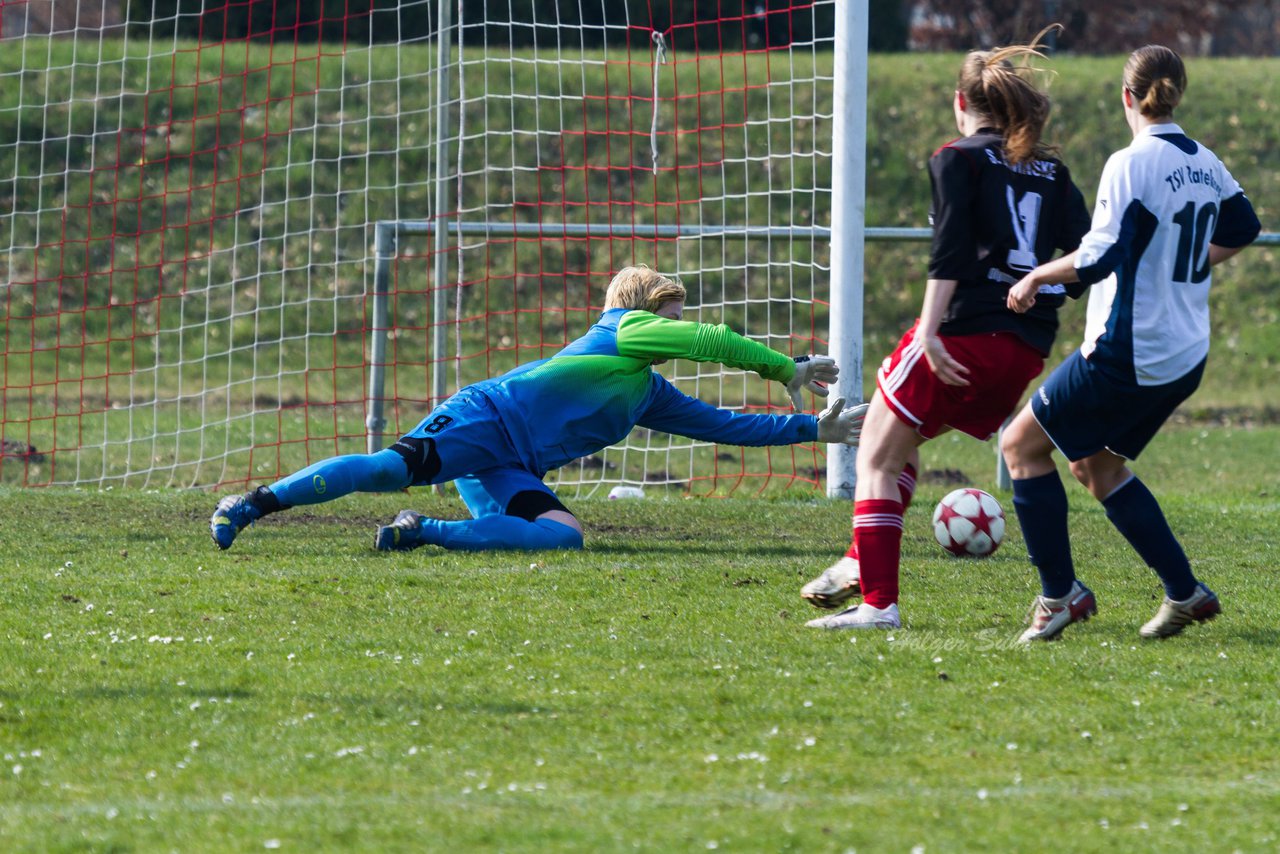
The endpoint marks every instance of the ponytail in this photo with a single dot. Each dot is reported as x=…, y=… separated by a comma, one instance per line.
x=1007, y=96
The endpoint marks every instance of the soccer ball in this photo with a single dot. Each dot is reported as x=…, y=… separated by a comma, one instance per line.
x=969, y=523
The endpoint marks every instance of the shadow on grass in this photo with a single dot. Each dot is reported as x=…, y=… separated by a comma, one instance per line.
x=710, y=548
x=1255, y=637
x=109, y=692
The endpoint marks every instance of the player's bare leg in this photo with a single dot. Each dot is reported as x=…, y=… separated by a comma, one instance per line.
x=840, y=581
x=1102, y=473
x=887, y=446
x=1027, y=449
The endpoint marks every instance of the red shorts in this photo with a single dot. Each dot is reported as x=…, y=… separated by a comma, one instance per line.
x=1001, y=366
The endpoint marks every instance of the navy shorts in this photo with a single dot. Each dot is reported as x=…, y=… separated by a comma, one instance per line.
x=1083, y=410
x=475, y=452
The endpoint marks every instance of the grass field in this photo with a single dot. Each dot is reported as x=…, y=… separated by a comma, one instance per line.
x=657, y=691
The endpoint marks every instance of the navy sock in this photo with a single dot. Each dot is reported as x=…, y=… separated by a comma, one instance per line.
x=1041, y=504
x=500, y=532
x=1136, y=514
x=335, y=477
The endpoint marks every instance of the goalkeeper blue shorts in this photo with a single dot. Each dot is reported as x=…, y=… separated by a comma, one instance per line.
x=468, y=435
x=475, y=452
x=1084, y=410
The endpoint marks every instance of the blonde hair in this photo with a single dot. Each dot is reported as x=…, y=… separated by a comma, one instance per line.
x=643, y=288
x=996, y=89
x=1156, y=78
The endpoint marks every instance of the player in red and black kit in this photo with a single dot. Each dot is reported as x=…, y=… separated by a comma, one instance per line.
x=1001, y=205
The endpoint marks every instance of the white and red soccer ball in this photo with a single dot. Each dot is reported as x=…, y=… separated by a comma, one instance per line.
x=969, y=523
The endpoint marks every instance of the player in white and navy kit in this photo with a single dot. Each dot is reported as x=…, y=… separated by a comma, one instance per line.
x=1167, y=211
x=1001, y=202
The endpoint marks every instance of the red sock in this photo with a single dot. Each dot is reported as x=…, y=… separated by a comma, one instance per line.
x=877, y=534
x=906, y=489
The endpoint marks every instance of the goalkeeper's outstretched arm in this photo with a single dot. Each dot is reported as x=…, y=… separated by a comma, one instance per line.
x=644, y=335
x=672, y=411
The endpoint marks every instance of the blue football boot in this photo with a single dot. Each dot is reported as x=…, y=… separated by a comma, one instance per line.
x=403, y=534
x=232, y=515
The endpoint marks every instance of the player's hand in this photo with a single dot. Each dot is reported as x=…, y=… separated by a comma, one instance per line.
x=1022, y=295
x=811, y=373
x=942, y=364
x=837, y=424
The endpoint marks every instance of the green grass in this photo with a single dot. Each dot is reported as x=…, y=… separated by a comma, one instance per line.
x=655, y=691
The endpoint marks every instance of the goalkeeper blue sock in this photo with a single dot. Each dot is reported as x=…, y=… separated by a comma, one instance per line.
x=1136, y=514
x=1041, y=504
x=500, y=532
x=335, y=477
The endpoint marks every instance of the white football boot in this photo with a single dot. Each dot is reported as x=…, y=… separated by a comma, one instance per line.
x=861, y=616
x=1173, y=616
x=1050, y=616
x=836, y=585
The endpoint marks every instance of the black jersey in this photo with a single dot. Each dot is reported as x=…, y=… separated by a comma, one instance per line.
x=993, y=222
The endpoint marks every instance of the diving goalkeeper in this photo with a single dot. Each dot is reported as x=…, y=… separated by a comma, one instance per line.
x=496, y=439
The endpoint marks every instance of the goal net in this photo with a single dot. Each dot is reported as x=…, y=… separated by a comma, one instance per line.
x=190, y=202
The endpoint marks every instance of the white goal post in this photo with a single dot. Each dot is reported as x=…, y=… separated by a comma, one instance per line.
x=848, y=222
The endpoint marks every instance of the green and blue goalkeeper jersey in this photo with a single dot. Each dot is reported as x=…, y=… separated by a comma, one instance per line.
x=593, y=392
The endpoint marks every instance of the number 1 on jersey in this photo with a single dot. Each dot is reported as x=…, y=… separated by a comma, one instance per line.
x=1025, y=213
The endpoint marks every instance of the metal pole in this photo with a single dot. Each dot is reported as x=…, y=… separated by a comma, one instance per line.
x=1004, y=481
x=440, y=267
x=553, y=230
x=848, y=218
x=384, y=253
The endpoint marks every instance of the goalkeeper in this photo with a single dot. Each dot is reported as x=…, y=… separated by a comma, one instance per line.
x=496, y=439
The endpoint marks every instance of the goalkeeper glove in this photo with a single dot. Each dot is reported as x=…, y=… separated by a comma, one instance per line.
x=837, y=424
x=811, y=371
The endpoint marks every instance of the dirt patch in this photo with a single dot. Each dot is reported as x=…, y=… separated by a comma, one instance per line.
x=9, y=447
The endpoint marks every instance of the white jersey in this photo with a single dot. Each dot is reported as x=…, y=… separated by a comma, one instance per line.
x=1161, y=201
